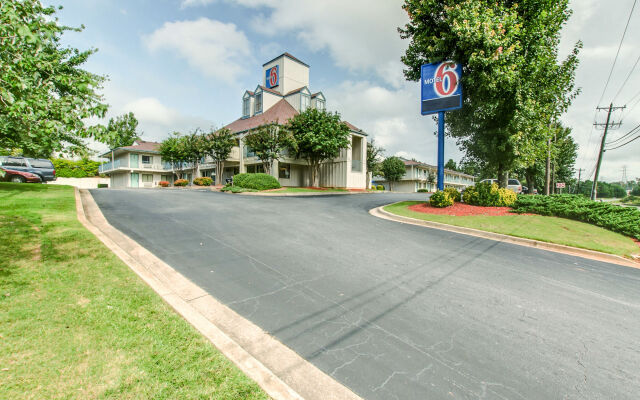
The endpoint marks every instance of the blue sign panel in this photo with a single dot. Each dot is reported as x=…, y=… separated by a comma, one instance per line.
x=272, y=77
x=441, y=88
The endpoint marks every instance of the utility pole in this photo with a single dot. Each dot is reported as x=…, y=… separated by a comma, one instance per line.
x=547, y=170
x=594, y=188
x=579, y=175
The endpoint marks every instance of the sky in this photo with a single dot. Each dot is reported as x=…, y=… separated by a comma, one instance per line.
x=185, y=64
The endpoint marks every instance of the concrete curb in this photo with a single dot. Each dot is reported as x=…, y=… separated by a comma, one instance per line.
x=279, y=371
x=558, y=248
x=299, y=194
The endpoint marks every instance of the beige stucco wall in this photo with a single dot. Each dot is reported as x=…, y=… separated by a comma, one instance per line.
x=293, y=75
x=269, y=100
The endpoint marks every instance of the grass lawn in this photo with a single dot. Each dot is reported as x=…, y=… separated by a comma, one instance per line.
x=75, y=322
x=304, y=190
x=546, y=229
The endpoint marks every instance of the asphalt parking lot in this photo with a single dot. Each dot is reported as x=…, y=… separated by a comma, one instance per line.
x=396, y=311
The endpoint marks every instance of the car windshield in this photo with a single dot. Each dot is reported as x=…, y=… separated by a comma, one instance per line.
x=40, y=163
x=513, y=182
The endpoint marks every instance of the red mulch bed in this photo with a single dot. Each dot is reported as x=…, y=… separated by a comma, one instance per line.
x=461, y=209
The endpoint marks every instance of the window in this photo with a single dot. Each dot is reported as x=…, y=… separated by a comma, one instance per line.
x=245, y=107
x=14, y=162
x=320, y=104
x=165, y=178
x=305, y=101
x=146, y=178
x=147, y=160
x=258, y=105
x=284, y=171
x=35, y=163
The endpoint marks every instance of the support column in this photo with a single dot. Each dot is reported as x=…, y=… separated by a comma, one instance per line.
x=241, y=158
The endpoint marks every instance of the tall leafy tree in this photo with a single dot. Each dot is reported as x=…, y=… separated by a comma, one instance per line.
x=196, y=146
x=514, y=84
x=121, y=131
x=268, y=143
x=172, y=151
x=451, y=165
x=393, y=169
x=320, y=136
x=45, y=95
x=374, y=153
x=220, y=144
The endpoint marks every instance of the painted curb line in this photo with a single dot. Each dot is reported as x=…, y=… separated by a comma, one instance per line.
x=300, y=194
x=278, y=370
x=558, y=248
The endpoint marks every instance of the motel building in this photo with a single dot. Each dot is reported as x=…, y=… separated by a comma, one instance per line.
x=283, y=93
x=416, y=177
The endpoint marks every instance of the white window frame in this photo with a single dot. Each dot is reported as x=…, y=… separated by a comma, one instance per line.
x=246, y=107
x=258, y=102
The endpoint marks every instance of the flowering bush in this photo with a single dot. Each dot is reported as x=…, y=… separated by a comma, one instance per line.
x=453, y=193
x=163, y=183
x=180, y=182
x=204, y=181
x=440, y=199
x=489, y=195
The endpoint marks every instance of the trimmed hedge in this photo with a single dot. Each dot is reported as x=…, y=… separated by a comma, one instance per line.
x=257, y=181
x=422, y=190
x=103, y=185
x=489, y=195
x=75, y=169
x=624, y=220
x=203, y=181
x=380, y=187
x=163, y=183
x=453, y=193
x=236, y=189
x=440, y=199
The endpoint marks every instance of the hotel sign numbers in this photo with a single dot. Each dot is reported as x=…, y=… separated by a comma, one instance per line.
x=441, y=91
x=441, y=88
x=272, y=77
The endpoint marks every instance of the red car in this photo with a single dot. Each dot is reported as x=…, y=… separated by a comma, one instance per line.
x=9, y=175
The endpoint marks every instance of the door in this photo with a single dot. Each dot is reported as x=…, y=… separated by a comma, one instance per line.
x=133, y=161
x=134, y=178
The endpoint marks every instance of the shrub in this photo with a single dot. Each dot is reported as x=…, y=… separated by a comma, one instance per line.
x=489, y=195
x=422, y=190
x=236, y=189
x=103, y=185
x=258, y=181
x=453, y=193
x=75, y=169
x=163, y=183
x=624, y=220
x=203, y=181
x=180, y=182
x=440, y=199
x=380, y=187
x=636, y=191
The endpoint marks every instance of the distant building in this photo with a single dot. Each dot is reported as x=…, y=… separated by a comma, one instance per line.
x=284, y=93
x=417, y=177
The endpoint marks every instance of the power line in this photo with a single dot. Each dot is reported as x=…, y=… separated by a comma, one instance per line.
x=625, y=135
x=627, y=78
x=625, y=143
x=617, y=52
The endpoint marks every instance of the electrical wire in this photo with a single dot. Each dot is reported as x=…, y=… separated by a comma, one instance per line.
x=626, y=79
x=617, y=52
x=624, y=144
x=632, y=131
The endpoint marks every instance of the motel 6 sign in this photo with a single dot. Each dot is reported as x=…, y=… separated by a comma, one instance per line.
x=441, y=88
x=272, y=77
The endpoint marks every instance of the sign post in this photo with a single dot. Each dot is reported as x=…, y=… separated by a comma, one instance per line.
x=560, y=185
x=440, y=91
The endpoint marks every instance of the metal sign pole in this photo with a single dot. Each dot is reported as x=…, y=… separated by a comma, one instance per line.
x=441, y=150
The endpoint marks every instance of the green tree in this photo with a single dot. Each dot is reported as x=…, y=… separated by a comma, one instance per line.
x=514, y=86
x=121, y=131
x=451, y=165
x=220, y=144
x=268, y=142
x=320, y=136
x=172, y=151
x=393, y=169
x=374, y=153
x=431, y=178
x=195, y=147
x=45, y=95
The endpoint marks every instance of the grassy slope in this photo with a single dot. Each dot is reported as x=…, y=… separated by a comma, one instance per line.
x=547, y=229
x=75, y=322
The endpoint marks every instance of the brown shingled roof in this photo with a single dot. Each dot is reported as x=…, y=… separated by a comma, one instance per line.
x=266, y=89
x=143, y=146
x=280, y=112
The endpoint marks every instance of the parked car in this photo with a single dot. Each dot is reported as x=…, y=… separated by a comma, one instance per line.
x=37, y=166
x=513, y=184
x=9, y=175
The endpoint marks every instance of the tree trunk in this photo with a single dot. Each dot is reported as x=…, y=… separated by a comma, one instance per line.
x=529, y=176
x=267, y=167
x=503, y=177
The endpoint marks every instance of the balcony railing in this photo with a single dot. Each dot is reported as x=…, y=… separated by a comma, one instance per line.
x=356, y=165
x=109, y=166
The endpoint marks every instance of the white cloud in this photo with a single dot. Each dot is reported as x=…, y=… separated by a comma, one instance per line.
x=219, y=50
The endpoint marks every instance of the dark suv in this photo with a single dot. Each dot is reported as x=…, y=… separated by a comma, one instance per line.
x=38, y=166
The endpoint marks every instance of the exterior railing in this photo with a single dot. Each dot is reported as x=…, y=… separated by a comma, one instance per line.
x=356, y=165
x=109, y=166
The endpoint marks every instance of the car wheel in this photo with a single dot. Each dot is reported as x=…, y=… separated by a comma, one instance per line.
x=17, y=179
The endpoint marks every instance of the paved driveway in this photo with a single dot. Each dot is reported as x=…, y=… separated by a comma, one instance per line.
x=399, y=311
